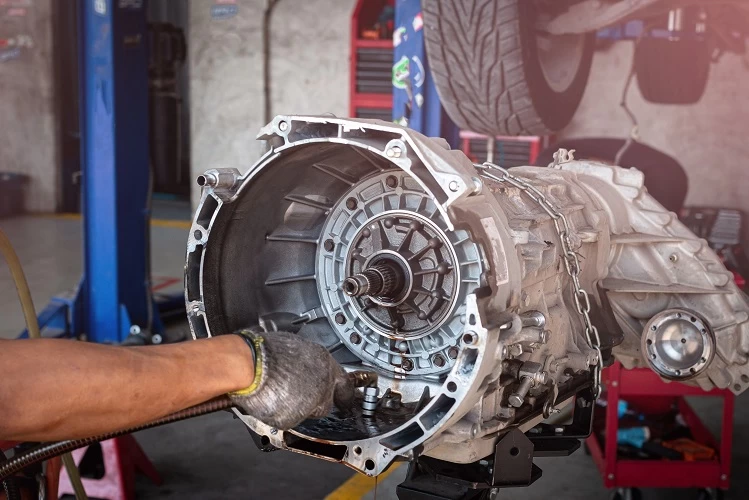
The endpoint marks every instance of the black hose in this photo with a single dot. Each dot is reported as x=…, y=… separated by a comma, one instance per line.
x=9, y=485
x=46, y=451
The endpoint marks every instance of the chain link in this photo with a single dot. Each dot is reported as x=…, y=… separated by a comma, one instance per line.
x=570, y=258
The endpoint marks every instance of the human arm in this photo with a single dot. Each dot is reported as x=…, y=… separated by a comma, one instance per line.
x=61, y=389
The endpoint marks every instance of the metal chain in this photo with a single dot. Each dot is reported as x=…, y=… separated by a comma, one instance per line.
x=571, y=260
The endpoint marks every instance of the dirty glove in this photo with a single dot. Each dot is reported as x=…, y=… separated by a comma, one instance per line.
x=295, y=379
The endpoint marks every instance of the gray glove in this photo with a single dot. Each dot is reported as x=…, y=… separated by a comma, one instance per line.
x=295, y=379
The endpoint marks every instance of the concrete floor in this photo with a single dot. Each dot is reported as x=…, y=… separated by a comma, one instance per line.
x=212, y=457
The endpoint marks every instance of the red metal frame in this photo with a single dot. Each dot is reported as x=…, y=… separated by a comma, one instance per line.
x=645, y=386
x=533, y=140
x=363, y=12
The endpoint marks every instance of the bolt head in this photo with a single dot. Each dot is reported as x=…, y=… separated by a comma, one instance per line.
x=283, y=126
x=156, y=339
x=340, y=319
x=273, y=431
x=407, y=365
x=453, y=186
x=515, y=401
x=452, y=353
x=355, y=338
x=394, y=152
x=438, y=360
x=134, y=330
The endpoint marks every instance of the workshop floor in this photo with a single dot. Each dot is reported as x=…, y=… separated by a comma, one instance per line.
x=212, y=457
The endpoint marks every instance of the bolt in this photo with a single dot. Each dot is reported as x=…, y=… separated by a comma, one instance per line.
x=351, y=203
x=474, y=430
x=477, y=185
x=340, y=319
x=369, y=405
x=438, y=360
x=283, y=126
x=452, y=353
x=516, y=398
x=355, y=338
x=391, y=181
x=273, y=431
x=329, y=245
x=394, y=152
x=197, y=234
x=453, y=186
x=156, y=339
x=673, y=257
x=134, y=330
x=407, y=365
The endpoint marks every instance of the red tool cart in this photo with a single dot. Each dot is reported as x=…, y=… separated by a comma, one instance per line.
x=648, y=392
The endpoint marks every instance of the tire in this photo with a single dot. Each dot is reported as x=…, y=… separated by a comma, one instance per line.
x=485, y=59
x=672, y=71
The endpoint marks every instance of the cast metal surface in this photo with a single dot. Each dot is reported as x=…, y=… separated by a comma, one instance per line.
x=465, y=300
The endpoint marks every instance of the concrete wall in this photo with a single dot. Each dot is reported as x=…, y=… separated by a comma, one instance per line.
x=309, y=73
x=28, y=137
x=709, y=138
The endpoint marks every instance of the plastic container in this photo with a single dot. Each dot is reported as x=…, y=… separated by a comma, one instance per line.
x=12, y=193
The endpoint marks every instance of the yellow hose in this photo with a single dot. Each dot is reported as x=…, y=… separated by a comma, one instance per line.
x=24, y=295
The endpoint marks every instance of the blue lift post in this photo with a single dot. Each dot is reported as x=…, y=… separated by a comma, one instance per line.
x=415, y=100
x=114, y=293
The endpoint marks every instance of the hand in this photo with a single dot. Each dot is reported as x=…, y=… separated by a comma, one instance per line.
x=295, y=379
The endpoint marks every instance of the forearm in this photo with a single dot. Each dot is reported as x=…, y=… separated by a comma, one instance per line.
x=60, y=389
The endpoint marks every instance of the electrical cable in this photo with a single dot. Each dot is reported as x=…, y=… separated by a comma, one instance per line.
x=46, y=451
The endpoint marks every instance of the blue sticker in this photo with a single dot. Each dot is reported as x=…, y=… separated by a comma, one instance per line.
x=224, y=11
x=9, y=54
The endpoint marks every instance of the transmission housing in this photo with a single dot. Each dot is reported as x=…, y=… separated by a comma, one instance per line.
x=464, y=287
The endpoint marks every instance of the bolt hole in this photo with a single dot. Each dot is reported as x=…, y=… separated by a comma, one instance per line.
x=704, y=360
x=468, y=338
x=351, y=203
x=340, y=318
x=514, y=451
x=329, y=245
x=692, y=370
x=703, y=330
x=472, y=319
x=745, y=379
x=357, y=450
x=683, y=341
x=264, y=440
x=692, y=319
x=653, y=356
x=737, y=387
x=391, y=181
x=452, y=386
x=649, y=342
x=369, y=465
x=197, y=234
x=201, y=180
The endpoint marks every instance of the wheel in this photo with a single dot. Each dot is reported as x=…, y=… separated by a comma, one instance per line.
x=626, y=494
x=496, y=74
x=672, y=71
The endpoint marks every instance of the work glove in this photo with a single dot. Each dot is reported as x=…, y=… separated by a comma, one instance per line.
x=295, y=379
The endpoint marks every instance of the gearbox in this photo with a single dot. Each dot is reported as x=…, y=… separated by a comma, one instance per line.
x=484, y=299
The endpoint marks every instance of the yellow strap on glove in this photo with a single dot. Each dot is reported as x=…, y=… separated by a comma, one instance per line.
x=255, y=343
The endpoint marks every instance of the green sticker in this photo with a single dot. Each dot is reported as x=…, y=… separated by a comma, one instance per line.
x=400, y=73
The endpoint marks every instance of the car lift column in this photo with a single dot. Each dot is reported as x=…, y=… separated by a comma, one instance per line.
x=115, y=290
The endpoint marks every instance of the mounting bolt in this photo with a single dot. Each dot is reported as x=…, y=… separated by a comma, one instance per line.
x=329, y=245
x=453, y=186
x=273, y=431
x=391, y=181
x=452, y=353
x=369, y=405
x=351, y=203
x=516, y=398
x=156, y=339
x=340, y=319
x=394, y=152
x=283, y=126
x=134, y=330
x=407, y=364
x=355, y=338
